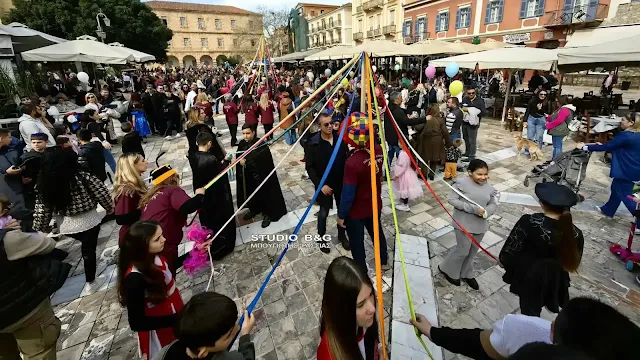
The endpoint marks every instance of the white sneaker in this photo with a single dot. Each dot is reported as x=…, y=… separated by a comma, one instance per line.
x=178, y=135
x=402, y=207
x=168, y=137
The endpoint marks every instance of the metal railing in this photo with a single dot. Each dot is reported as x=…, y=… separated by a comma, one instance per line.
x=582, y=14
x=377, y=32
x=389, y=29
x=369, y=33
x=372, y=4
x=358, y=9
x=358, y=36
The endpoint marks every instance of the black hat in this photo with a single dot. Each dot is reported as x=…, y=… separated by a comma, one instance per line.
x=556, y=195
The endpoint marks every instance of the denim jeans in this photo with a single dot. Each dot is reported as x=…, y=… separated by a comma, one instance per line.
x=470, y=135
x=355, y=230
x=557, y=145
x=620, y=189
x=290, y=137
x=535, y=129
x=111, y=161
x=393, y=150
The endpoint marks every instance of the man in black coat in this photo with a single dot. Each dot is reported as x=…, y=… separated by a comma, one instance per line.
x=147, y=105
x=158, y=100
x=318, y=153
x=403, y=123
x=32, y=270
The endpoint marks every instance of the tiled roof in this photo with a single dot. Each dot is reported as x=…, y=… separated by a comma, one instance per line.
x=180, y=6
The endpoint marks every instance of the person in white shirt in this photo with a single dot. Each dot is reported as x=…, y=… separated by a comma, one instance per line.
x=30, y=123
x=191, y=97
x=584, y=324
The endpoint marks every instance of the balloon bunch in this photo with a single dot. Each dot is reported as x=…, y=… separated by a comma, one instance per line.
x=456, y=87
x=198, y=258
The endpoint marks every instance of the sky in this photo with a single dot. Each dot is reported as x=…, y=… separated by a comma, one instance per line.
x=276, y=4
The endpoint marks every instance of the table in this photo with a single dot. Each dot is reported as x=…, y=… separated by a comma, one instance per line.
x=604, y=124
x=489, y=102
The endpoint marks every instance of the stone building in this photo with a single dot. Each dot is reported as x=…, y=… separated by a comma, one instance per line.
x=331, y=28
x=377, y=19
x=202, y=32
x=5, y=6
x=299, y=23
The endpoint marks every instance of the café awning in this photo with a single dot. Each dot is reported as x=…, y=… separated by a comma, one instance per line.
x=619, y=52
x=600, y=35
x=80, y=50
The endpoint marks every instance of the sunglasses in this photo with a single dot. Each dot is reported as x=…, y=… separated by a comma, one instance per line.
x=543, y=94
x=471, y=93
x=91, y=97
x=326, y=124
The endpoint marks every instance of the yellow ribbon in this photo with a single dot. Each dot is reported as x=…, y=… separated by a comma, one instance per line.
x=395, y=217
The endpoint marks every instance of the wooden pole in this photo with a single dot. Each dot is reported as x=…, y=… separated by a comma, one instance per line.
x=506, y=97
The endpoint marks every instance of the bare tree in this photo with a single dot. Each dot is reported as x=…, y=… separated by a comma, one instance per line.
x=275, y=23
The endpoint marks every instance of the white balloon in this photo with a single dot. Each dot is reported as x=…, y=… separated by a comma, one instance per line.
x=53, y=111
x=327, y=72
x=374, y=68
x=83, y=77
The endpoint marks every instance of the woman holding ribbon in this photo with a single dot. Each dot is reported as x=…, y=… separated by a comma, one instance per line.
x=474, y=200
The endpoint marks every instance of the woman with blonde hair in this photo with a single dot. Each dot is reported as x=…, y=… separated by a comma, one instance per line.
x=128, y=189
x=625, y=164
x=202, y=101
x=195, y=125
x=169, y=205
x=266, y=110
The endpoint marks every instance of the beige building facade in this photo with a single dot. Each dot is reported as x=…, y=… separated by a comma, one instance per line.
x=331, y=28
x=377, y=19
x=202, y=32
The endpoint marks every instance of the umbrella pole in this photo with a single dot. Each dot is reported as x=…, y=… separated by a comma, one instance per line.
x=506, y=98
x=421, y=63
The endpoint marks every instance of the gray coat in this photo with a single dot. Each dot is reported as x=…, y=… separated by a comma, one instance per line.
x=465, y=212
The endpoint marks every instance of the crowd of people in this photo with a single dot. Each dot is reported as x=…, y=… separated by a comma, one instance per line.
x=57, y=170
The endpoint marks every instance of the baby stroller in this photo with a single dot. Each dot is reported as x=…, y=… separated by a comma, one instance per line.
x=569, y=169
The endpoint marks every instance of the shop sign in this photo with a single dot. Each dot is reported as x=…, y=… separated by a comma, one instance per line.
x=516, y=38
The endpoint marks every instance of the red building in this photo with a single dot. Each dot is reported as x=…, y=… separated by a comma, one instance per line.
x=534, y=23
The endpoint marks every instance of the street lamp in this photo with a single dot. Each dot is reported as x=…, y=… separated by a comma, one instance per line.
x=101, y=34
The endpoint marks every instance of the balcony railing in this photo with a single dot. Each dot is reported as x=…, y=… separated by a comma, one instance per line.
x=358, y=36
x=389, y=29
x=372, y=4
x=333, y=24
x=582, y=15
x=337, y=41
x=358, y=9
x=413, y=38
x=369, y=33
x=322, y=27
x=377, y=32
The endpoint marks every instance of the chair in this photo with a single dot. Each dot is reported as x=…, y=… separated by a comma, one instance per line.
x=497, y=108
x=585, y=128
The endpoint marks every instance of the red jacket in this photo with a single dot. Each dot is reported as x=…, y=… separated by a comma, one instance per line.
x=251, y=114
x=324, y=352
x=266, y=116
x=231, y=111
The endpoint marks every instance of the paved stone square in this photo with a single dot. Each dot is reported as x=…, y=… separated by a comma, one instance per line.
x=95, y=326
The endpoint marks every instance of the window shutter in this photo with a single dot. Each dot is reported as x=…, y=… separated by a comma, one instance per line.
x=487, y=15
x=523, y=8
x=568, y=5
x=446, y=24
x=540, y=11
x=417, y=30
x=501, y=11
x=437, y=22
x=458, y=18
x=591, y=11
x=469, y=11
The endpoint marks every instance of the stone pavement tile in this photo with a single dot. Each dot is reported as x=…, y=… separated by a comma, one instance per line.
x=490, y=281
x=98, y=348
x=436, y=234
x=438, y=223
x=104, y=326
x=66, y=312
x=304, y=321
x=283, y=330
x=291, y=350
x=71, y=353
x=70, y=290
x=262, y=341
x=74, y=335
x=405, y=344
x=447, y=240
x=310, y=341
x=495, y=307
x=296, y=302
x=275, y=311
x=420, y=218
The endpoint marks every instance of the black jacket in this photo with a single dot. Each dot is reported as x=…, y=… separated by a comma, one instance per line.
x=132, y=143
x=532, y=108
x=317, y=155
x=403, y=123
x=477, y=103
x=91, y=159
x=27, y=282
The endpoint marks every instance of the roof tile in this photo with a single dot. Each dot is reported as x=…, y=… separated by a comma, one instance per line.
x=180, y=6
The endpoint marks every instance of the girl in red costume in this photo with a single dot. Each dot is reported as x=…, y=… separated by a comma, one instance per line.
x=348, y=325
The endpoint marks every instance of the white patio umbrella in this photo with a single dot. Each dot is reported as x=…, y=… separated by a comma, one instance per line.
x=616, y=52
x=331, y=53
x=431, y=47
x=491, y=44
x=139, y=56
x=24, y=38
x=505, y=58
x=80, y=50
x=515, y=58
x=459, y=47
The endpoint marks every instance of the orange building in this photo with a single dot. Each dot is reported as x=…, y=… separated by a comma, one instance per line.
x=534, y=23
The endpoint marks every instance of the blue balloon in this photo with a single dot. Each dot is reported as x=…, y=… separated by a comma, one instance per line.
x=452, y=69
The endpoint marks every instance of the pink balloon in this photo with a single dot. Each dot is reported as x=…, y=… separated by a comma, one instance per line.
x=430, y=71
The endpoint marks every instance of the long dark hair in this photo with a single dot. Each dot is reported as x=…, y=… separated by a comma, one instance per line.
x=57, y=177
x=134, y=251
x=565, y=240
x=342, y=285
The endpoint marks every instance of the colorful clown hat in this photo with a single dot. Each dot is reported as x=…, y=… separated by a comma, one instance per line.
x=161, y=174
x=358, y=130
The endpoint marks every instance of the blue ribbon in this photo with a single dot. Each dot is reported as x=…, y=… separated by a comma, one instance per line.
x=253, y=303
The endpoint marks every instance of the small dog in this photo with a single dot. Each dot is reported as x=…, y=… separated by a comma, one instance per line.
x=534, y=151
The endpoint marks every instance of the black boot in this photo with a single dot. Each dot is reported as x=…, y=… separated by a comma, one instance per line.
x=324, y=246
x=266, y=222
x=342, y=236
x=248, y=216
x=453, y=281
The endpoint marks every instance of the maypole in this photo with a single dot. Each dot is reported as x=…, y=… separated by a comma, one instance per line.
x=366, y=75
